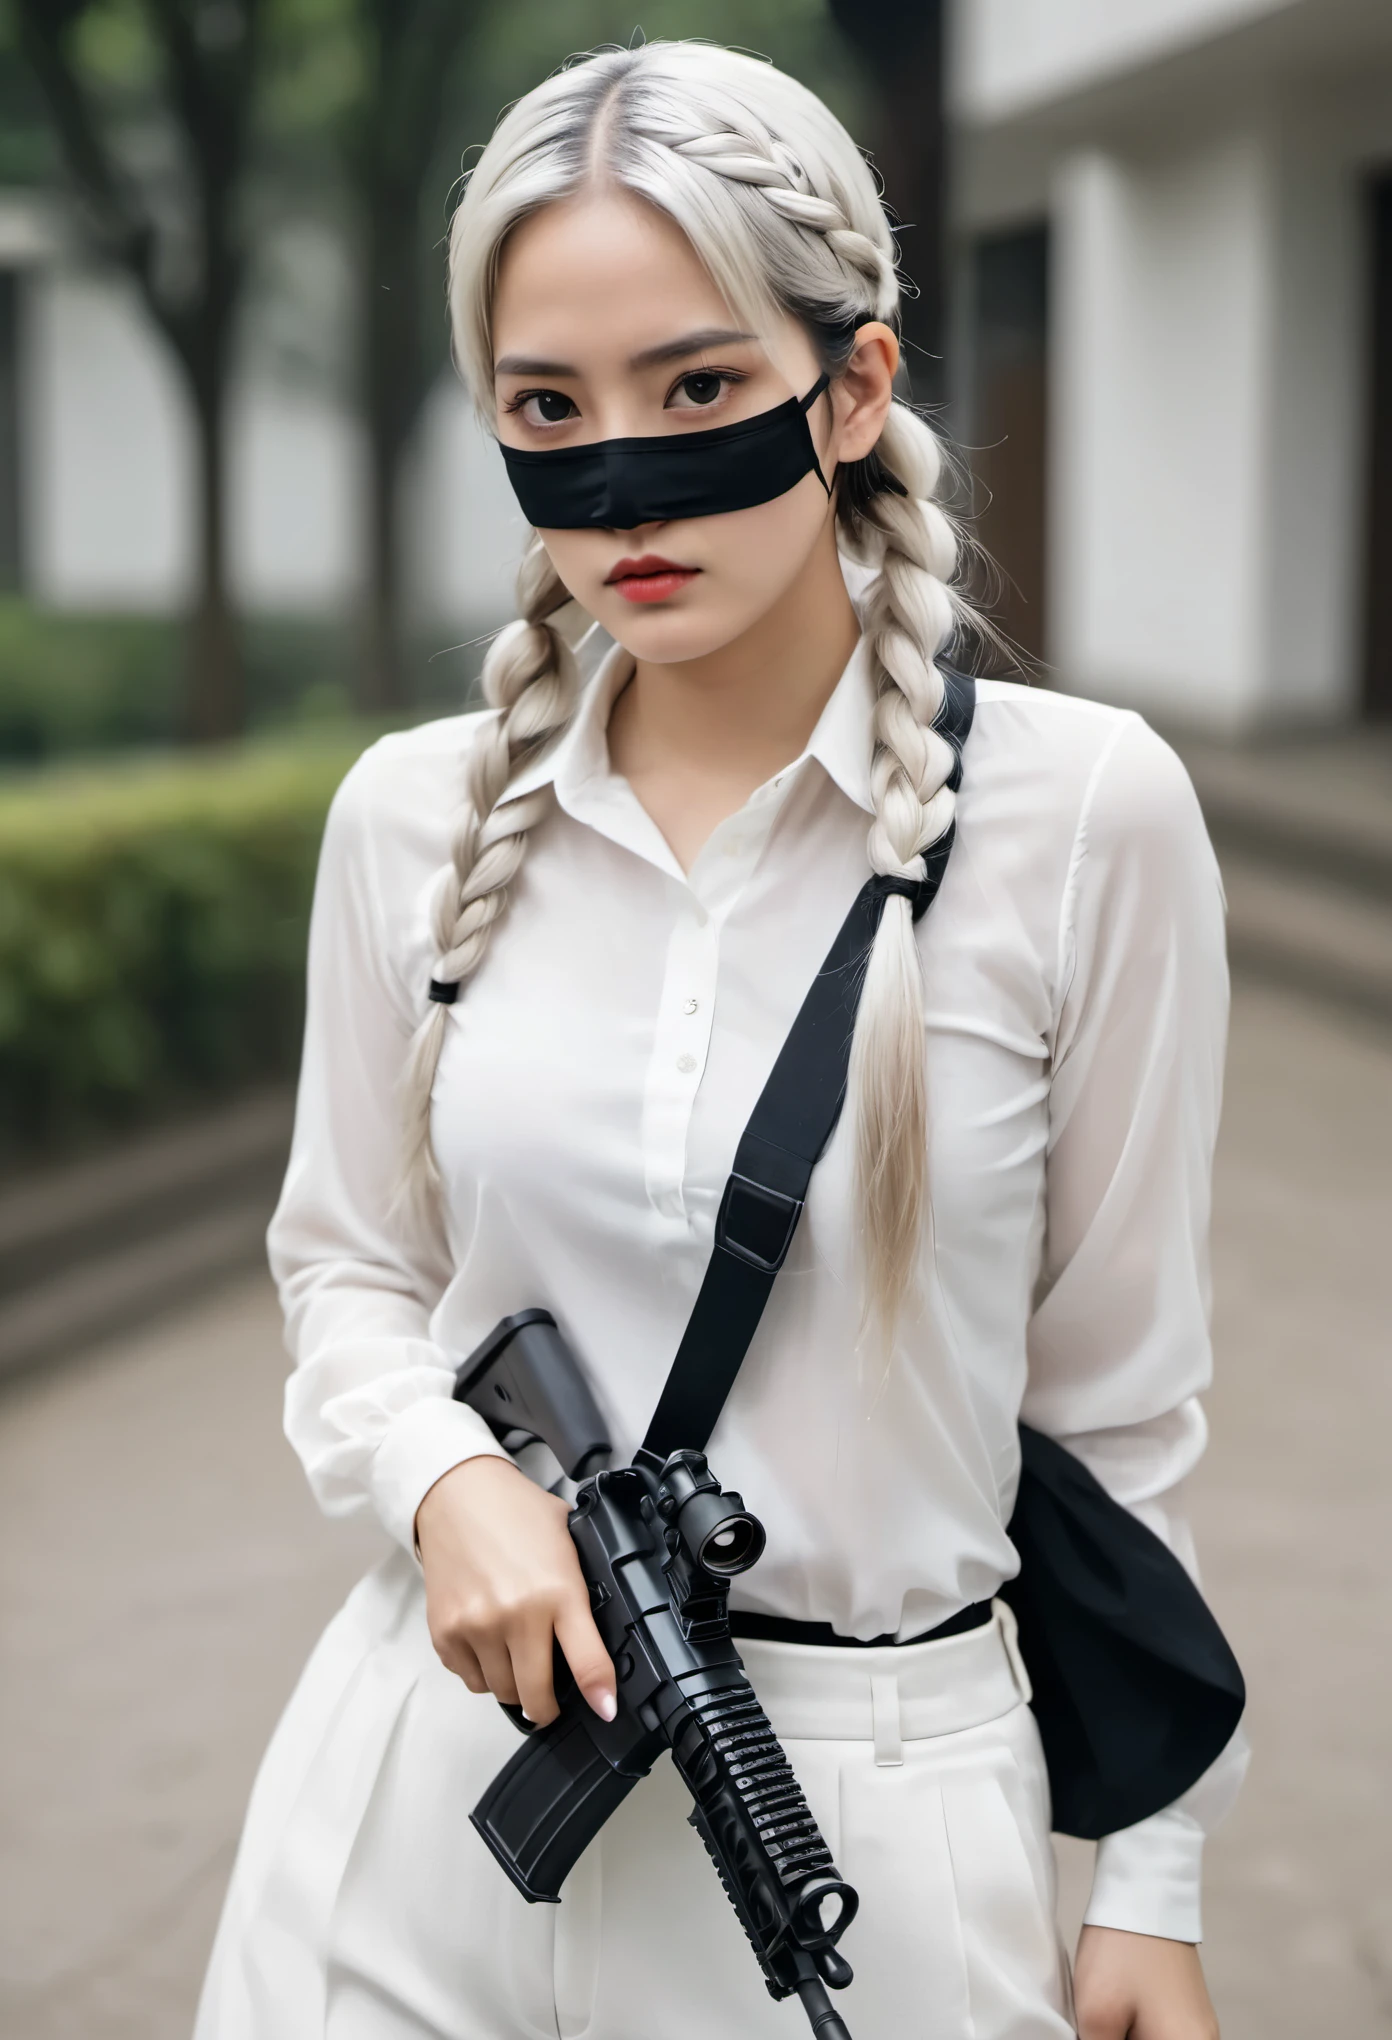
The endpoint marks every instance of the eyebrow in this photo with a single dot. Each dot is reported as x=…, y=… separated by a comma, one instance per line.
x=650, y=357
x=689, y=343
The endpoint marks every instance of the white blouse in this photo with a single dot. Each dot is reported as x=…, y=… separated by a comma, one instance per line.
x=595, y=1079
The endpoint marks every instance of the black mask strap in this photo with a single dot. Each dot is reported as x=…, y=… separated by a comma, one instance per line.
x=805, y=404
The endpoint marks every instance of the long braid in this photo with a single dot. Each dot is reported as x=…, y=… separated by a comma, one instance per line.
x=530, y=679
x=909, y=614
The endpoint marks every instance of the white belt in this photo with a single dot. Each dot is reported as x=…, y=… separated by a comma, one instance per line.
x=892, y=1694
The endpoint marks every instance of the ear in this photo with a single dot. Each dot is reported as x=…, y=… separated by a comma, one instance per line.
x=863, y=395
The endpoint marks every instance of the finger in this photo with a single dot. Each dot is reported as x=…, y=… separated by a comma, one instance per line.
x=533, y=1669
x=496, y=1665
x=459, y=1659
x=589, y=1661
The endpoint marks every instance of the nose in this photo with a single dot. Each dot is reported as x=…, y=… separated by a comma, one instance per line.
x=638, y=531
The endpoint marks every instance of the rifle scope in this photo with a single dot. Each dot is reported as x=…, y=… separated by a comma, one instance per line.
x=717, y=1530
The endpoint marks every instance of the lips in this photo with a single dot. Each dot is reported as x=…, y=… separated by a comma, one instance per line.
x=650, y=578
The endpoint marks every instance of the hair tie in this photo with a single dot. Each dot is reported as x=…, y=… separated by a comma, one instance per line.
x=886, y=882
x=443, y=994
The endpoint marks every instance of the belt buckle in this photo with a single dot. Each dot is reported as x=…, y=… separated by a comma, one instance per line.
x=756, y=1224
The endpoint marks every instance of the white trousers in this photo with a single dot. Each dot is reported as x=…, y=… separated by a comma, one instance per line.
x=364, y=1907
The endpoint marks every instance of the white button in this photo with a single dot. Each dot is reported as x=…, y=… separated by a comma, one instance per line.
x=690, y=1006
x=700, y=915
x=734, y=847
x=686, y=1064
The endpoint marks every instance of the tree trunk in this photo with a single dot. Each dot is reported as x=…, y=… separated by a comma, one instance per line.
x=381, y=675
x=381, y=669
x=392, y=345
x=215, y=693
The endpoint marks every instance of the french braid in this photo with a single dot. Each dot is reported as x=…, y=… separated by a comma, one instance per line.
x=782, y=209
x=529, y=679
x=778, y=174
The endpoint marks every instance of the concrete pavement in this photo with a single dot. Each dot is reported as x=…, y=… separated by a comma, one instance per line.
x=163, y=1573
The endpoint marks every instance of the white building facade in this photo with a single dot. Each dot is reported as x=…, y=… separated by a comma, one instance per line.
x=1175, y=219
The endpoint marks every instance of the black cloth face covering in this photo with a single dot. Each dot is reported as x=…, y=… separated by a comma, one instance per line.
x=618, y=484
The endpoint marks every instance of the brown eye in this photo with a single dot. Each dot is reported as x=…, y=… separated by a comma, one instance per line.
x=552, y=408
x=701, y=386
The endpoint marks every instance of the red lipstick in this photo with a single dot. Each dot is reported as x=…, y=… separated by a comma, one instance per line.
x=650, y=578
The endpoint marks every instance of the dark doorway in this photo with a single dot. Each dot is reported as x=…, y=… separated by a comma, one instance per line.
x=10, y=562
x=1377, y=677
x=1009, y=421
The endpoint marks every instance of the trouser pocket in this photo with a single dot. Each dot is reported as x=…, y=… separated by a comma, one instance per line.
x=955, y=1938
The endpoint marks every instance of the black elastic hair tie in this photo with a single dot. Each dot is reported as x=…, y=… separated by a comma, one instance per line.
x=910, y=889
x=443, y=994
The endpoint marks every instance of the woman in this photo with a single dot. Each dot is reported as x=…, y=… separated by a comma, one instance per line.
x=563, y=940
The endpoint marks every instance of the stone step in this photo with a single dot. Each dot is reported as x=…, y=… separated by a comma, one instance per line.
x=1308, y=932
x=91, y=1247
x=1303, y=831
x=1322, y=808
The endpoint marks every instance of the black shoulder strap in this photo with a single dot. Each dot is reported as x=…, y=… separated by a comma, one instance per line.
x=787, y=1132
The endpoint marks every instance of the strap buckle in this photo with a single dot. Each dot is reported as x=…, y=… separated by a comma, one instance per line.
x=756, y=1224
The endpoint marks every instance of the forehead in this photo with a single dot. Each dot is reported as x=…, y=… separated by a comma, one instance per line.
x=599, y=275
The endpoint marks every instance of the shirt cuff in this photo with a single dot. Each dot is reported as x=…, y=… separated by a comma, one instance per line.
x=422, y=1443
x=1147, y=1878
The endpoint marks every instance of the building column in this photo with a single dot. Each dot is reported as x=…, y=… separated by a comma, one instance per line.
x=1203, y=494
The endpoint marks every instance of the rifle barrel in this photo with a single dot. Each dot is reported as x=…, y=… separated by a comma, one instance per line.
x=826, y=2021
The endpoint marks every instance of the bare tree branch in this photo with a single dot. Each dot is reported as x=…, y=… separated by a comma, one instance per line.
x=123, y=228
x=209, y=51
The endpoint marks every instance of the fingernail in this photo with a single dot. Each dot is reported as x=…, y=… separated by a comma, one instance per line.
x=604, y=1704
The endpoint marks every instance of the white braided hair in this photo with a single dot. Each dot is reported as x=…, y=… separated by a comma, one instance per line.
x=781, y=208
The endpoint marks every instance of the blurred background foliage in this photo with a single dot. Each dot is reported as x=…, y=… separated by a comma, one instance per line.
x=152, y=931
x=74, y=684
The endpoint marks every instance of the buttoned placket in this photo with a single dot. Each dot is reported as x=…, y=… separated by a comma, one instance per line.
x=687, y=1005
x=704, y=899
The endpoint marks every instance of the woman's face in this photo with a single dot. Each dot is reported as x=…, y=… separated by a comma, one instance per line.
x=606, y=326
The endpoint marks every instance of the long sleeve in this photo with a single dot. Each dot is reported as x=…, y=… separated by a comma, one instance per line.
x=1119, y=1347
x=368, y=1406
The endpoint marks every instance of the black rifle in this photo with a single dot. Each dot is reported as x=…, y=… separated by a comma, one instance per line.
x=658, y=1548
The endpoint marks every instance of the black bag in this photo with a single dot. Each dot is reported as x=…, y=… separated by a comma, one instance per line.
x=1135, y=1689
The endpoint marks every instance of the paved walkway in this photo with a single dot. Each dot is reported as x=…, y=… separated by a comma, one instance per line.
x=162, y=1574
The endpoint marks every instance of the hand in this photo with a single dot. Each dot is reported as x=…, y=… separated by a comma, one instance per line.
x=502, y=1579
x=1137, y=1987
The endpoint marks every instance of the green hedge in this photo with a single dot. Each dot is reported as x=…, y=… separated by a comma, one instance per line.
x=85, y=684
x=76, y=683
x=152, y=930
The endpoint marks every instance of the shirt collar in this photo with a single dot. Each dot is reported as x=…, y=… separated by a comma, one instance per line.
x=842, y=742
x=581, y=752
